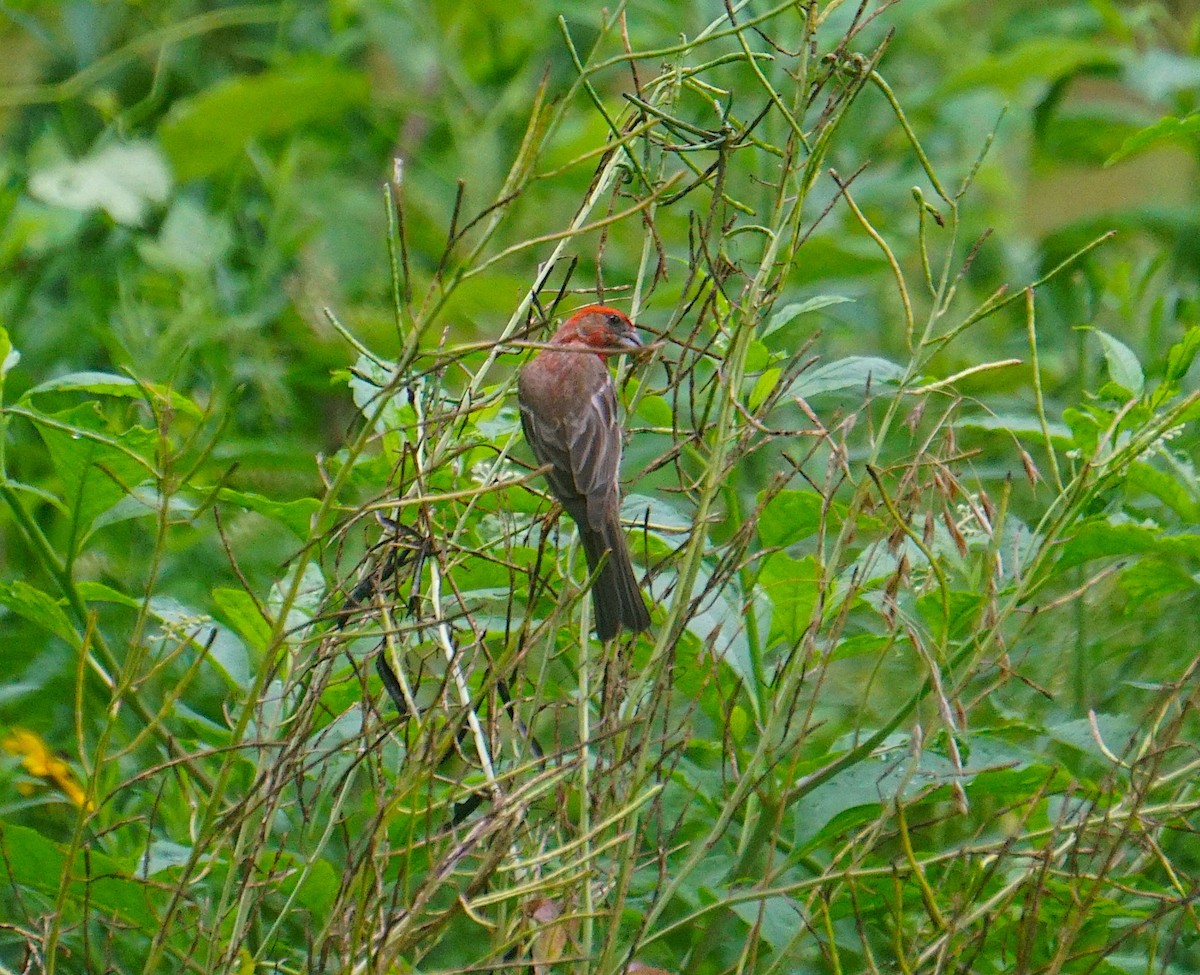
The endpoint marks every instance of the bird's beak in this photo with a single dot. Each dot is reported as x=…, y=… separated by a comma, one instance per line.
x=628, y=340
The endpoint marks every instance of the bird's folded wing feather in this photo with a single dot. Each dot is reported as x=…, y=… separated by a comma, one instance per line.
x=583, y=447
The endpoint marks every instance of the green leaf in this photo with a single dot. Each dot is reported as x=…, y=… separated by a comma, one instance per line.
x=1043, y=59
x=763, y=388
x=98, y=886
x=1168, y=487
x=656, y=514
x=163, y=855
x=1182, y=354
x=241, y=612
x=144, y=502
x=656, y=411
x=789, y=313
x=861, y=644
x=1123, y=366
x=1168, y=129
x=776, y=919
x=9, y=357
x=792, y=586
x=207, y=133
x=964, y=609
x=98, y=592
x=1103, y=539
x=39, y=608
x=225, y=650
x=97, y=467
x=1116, y=731
x=319, y=885
x=851, y=798
x=790, y=516
x=112, y=384
x=309, y=597
x=296, y=515
x=106, y=383
x=1021, y=424
x=1151, y=579
x=854, y=372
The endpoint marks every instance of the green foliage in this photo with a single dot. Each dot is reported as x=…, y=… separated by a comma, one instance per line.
x=298, y=663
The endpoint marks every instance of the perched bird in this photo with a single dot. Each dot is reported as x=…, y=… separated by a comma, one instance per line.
x=569, y=415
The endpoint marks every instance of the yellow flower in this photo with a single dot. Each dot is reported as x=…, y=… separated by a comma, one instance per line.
x=38, y=760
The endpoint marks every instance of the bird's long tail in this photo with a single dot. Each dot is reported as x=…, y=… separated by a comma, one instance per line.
x=616, y=596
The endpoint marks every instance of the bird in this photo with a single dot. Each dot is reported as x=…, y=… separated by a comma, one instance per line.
x=569, y=415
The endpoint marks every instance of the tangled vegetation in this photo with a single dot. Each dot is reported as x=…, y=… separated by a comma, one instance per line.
x=298, y=657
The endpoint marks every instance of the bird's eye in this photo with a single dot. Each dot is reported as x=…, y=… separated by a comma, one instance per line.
x=615, y=321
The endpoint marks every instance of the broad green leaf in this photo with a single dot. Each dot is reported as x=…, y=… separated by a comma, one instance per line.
x=859, y=645
x=98, y=886
x=758, y=356
x=964, y=609
x=1116, y=731
x=656, y=411
x=790, y=312
x=854, y=372
x=791, y=516
x=225, y=650
x=831, y=257
x=656, y=514
x=143, y=502
x=1168, y=129
x=205, y=134
x=1021, y=424
x=296, y=515
x=1182, y=354
x=241, y=612
x=1103, y=539
x=498, y=423
x=106, y=383
x=720, y=623
x=319, y=884
x=369, y=386
x=1171, y=488
x=123, y=180
x=1150, y=579
x=857, y=795
x=39, y=608
x=309, y=596
x=763, y=387
x=97, y=467
x=113, y=384
x=792, y=587
x=163, y=855
x=98, y=592
x=1123, y=366
x=776, y=919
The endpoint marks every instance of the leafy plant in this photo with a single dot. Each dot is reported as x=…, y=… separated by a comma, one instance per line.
x=916, y=508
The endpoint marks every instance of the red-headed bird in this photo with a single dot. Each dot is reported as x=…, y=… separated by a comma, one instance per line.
x=569, y=415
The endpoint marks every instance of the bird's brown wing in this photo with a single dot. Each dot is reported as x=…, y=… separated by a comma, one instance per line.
x=583, y=446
